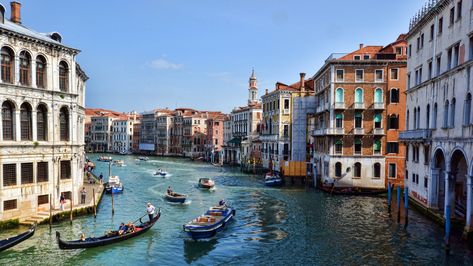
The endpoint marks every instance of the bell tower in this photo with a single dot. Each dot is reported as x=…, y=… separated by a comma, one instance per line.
x=252, y=89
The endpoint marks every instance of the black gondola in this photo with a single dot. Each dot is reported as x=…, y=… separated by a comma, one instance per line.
x=12, y=241
x=108, y=239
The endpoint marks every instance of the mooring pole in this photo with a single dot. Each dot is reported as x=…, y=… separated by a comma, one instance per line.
x=389, y=197
x=406, y=202
x=93, y=197
x=113, y=204
x=70, y=216
x=399, y=204
x=50, y=212
x=447, y=229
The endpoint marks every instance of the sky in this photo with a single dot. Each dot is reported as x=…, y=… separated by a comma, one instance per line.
x=147, y=54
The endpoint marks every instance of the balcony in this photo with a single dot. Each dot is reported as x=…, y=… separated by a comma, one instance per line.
x=328, y=131
x=359, y=105
x=415, y=135
x=378, y=131
x=339, y=106
x=318, y=132
x=321, y=107
x=285, y=111
x=359, y=131
x=378, y=106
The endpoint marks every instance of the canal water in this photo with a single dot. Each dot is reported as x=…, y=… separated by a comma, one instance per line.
x=289, y=226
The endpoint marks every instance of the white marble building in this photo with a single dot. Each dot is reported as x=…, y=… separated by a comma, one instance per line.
x=42, y=91
x=439, y=118
x=122, y=135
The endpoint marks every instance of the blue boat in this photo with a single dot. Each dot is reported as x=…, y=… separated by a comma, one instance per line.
x=207, y=225
x=175, y=197
x=113, y=186
x=273, y=180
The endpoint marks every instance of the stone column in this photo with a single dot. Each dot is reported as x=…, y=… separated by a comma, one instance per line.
x=447, y=190
x=469, y=203
x=34, y=125
x=33, y=72
x=433, y=188
x=16, y=77
x=17, y=125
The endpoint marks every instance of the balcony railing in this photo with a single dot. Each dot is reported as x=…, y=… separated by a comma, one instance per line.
x=378, y=106
x=328, y=131
x=378, y=131
x=415, y=135
x=359, y=131
x=359, y=105
x=339, y=105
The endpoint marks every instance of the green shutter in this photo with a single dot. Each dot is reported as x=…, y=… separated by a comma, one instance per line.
x=377, y=118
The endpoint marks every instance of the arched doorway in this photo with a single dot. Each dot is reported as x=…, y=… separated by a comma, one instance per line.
x=459, y=171
x=438, y=181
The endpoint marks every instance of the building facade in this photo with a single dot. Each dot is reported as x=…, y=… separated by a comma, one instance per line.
x=42, y=93
x=360, y=105
x=439, y=124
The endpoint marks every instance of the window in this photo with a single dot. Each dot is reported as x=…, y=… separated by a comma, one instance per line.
x=338, y=169
x=339, y=120
x=426, y=154
x=445, y=114
x=377, y=170
x=7, y=62
x=415, y=118
x=418, y=118
x=430, y=70
x=452, y=16
x=359, y=75
x=358, y=120
x=41, y=123
x=377, y=120
x=439, y=61
x=286, y=104
x=452, y=113
x=40, y=72
x=65, y=169
x=422, y=41
x=407, y=152
x=64, y=124
x=394, y=96
x=467, y=112
x=440, y=30
x=449, y=58
x=394, y=74
x=340, y=74
x=7, y=121
x=378, y=77
x=392, y=147
x=377, y=146
x=338, y=147
x=392, y=170
x=432, y=30
x=357, y=172
x=25, y=119
x=426, y=182
x=366, y=57
x=10, y=205
x=398, y=50
x=459, y=9
x=9, y=175
x=356, y=57
x=359, y=95
x=42, y=172
x=339, y=97
x=43, y=199
x=456, y=55
x=26, y=173
x=427, y=118
x=434, y=117
x=410, y=50
x=25, y=67
x=63, y=76
x=378, y=95
x=358, y=146
x=393, y=122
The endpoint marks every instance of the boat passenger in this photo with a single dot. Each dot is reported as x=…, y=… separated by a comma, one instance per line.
x=122, y=229
x=82, y=237
x=130, y=227
x=169, y=191
x=221, y=203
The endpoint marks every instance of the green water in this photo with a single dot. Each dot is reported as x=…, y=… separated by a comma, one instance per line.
x=291, y=226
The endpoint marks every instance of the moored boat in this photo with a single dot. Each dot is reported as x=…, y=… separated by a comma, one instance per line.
x=12, y=241
x=175, y=197
x=105, y=159
x=207, y=225
x=206, y=183
x=113, y=186
x=273, y=180
x=110, y=238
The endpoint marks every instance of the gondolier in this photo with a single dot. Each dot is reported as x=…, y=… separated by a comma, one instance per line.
x=150, y=210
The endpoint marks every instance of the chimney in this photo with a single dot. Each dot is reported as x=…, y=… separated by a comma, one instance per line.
x=15, y=12
x=361, y=45
x=302, y=88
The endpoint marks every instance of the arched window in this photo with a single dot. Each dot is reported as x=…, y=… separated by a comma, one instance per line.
x=452, y=113
x=407, y=120
x=359, y=95
x=377, y=120
x=63, y=76
x=25, y=68
x=64, y=124
x=394, y=96
x=377, y=146
x=467, y=112
x=339, y=120
x=357, y=172
x=25, y=122
x=338, y=169
x=7, y=120
x=42, y=123
x=358, y=146
x=339, y=97
x=445, y=114
x=377, y=170
x=427, y=124
x=358, y=120
x=40, y=72
x=338, y=147
x=7, y=61
x=418, y=117
x=415, y=118
x=378, y=95
x=434, y=117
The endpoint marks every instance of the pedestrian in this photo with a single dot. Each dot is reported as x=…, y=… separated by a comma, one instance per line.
x=62, y=200
x=101, y=178
x=150, y=210
x=83, y=194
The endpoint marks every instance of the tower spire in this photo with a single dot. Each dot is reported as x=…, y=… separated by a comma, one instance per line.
x=252, y=88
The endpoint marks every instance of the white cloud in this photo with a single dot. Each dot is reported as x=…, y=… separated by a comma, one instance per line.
x=162, y=63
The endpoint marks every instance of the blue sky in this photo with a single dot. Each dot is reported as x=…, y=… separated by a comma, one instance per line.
x=145, y=54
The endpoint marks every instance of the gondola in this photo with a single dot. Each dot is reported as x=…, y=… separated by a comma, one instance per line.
x=355, y=191
x=175, y=197
x=206, y=183
x=108, y=239
x=12, y=241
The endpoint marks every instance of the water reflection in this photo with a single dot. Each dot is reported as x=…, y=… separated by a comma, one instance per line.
x=195, y=249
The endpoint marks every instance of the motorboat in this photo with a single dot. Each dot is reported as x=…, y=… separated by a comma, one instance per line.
x=206, y=183
x=175, y=197
x=141, y=158
x=273, y=179
x=211, y=222
x=119, y=163
x=161, y=172
x=114, y=186
x=105, y=159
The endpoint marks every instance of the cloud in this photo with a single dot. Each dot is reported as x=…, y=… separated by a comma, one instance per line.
x=162, y=63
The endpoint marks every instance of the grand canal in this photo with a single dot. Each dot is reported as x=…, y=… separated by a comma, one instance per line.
x=291, y=226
